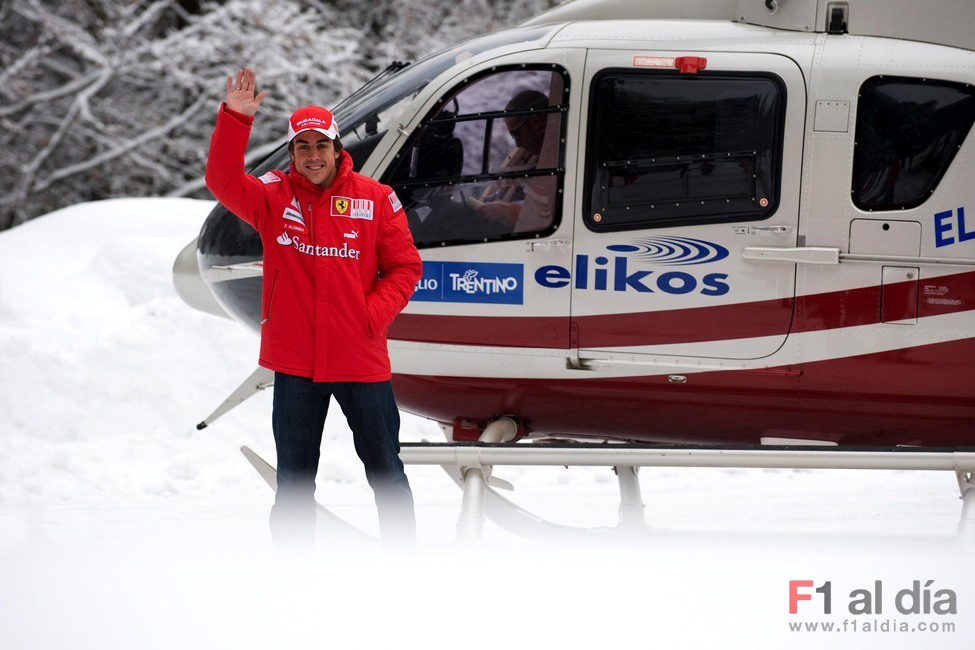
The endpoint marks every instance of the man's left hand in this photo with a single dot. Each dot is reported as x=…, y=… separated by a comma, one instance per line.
x=240, y=93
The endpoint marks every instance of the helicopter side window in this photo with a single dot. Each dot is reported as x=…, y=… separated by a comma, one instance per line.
x=486, y=163
x=667, y=149
x=908, y=131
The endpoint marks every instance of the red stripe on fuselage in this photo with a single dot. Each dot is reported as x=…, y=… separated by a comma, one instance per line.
x=510, y=331
x=814, y=312
x=922, y=395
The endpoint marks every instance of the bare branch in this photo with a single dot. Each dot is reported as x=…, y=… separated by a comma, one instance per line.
x=146, y=17
x=54, y=93
x=253, y=155
x=67, y=33
x=39, y=51
x=188, y=188
x=155, y=166
x=31, y=169
x=123, y=148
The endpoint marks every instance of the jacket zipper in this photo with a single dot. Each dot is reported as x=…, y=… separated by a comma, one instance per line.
x=311, y=223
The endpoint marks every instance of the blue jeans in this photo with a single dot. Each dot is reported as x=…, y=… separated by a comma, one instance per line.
x=298, y=419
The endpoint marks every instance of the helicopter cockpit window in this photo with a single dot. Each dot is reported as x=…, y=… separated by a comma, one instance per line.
x=667, y=149
x=486, y=163
x=908, y=131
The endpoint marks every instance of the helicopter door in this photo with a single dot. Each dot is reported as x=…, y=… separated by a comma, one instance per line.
x=684, y=169
x=481, y=178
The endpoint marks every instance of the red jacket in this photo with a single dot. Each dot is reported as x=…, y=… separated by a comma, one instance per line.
x=339, y=263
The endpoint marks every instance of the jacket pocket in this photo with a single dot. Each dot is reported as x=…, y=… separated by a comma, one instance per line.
x=366, y=319
x=374, y=330
x=270, y=298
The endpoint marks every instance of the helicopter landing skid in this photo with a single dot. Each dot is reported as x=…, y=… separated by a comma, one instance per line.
x=470, y=466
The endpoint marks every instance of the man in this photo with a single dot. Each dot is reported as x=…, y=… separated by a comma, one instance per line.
x=339, y=264
x=522, y=205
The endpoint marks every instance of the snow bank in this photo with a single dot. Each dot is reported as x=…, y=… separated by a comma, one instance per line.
x=106, y=371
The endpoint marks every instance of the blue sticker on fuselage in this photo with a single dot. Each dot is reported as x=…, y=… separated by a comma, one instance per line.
x=624, y=273
x=950, y=228
x=478, y=282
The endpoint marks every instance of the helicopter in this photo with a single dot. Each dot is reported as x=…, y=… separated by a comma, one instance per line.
x=738, y=223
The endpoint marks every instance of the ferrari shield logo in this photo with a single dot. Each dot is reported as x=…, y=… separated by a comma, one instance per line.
x=340, y=205
x=343, y=206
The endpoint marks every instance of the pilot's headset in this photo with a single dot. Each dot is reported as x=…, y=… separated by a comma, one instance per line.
x=437, y=134
x=441, y=152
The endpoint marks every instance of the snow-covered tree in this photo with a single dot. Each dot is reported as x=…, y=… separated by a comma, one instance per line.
x=103, y=98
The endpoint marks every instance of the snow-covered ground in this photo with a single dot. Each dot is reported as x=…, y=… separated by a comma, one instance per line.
x=122, y=526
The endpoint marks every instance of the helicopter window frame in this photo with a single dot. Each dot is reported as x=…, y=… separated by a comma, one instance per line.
x=490, y=118
x=876, y=136
x=596, y=117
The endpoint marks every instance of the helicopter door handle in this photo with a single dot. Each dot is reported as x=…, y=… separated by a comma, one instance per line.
x=802, y=255
x=769, y=229
x=547, y=243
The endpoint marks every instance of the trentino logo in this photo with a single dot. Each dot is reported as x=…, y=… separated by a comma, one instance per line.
x=600, y=274
x=482, y=282
x=471, y=284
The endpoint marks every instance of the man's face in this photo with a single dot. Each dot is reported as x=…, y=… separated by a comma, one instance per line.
x=528, y=131
x=313, y=155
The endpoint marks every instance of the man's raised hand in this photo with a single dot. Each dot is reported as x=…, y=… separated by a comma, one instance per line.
x=240, y=92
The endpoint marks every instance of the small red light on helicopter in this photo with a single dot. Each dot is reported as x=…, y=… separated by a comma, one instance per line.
x=690, y=64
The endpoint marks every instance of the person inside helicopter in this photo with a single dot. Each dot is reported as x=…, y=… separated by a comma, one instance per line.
x=517, y=203
x=460, y=178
